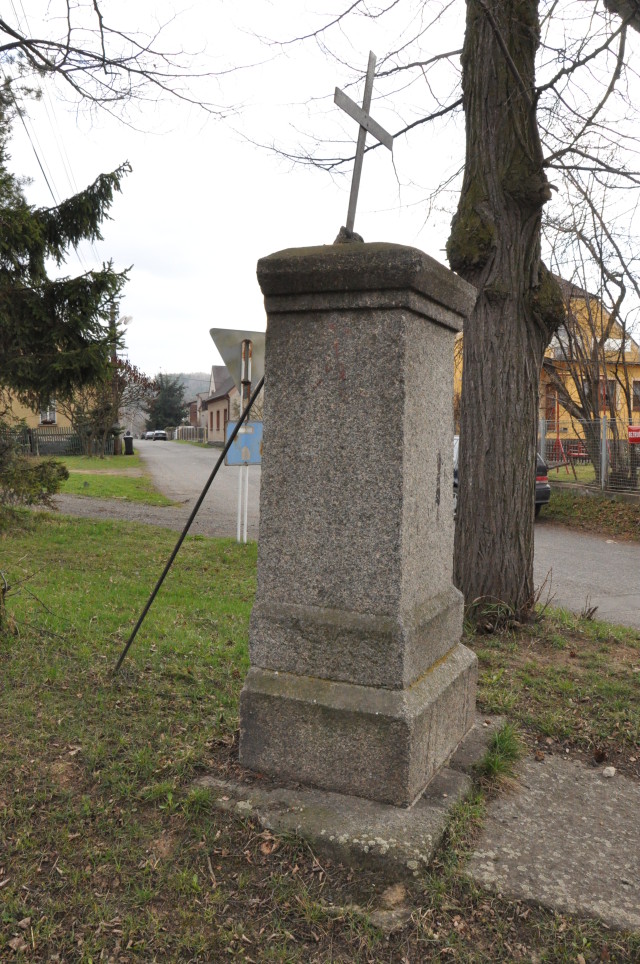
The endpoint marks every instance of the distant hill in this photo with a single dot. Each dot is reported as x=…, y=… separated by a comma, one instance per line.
x=193, y=383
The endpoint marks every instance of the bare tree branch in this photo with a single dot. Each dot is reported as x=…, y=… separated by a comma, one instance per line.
x=102, y=65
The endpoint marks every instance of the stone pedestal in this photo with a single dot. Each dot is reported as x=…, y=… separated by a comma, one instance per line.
x=358, y=682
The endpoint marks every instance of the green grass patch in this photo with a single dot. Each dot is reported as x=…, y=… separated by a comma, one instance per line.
x=121, y=477
x=594, y=513
x=108, y=850
x=571, y=680
x=103, y=486
x=584, y=473
x=504, y=751
x=113, y=464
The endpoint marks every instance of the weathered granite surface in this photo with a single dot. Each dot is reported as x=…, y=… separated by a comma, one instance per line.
x=351, y=830
x=384, y=744
x=355, y=600
x=567, y=838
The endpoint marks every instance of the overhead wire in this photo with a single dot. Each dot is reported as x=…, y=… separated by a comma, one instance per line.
x=50, y=113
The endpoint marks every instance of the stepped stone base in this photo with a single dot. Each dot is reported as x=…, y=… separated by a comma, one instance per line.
x=363, y=648
x=366, y=741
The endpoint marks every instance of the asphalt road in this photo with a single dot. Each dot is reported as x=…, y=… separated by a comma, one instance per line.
x=577, y=571
x=582, y=571
x=181, y=471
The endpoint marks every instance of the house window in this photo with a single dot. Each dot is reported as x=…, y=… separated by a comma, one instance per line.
x=218, y=420
x=636, y=395
x=48, y=414
x=606, y=392
x=550, y=405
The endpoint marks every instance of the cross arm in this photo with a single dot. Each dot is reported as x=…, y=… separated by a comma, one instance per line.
x=362, y=118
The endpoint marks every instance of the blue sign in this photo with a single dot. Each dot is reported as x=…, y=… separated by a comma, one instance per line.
x=247, y=445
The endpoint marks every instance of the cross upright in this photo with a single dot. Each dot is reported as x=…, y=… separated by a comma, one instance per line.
x=361, y=115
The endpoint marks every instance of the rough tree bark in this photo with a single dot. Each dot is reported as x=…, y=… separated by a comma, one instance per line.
x=495, y=245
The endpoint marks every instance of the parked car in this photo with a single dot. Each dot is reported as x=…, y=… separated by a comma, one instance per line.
x=160, y=435
x=148, y=435
x=543, y=489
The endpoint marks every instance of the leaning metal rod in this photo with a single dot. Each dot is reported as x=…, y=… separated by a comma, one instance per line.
x=189, y=521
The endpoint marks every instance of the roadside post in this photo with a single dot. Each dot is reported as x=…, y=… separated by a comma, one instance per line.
x=243, y=354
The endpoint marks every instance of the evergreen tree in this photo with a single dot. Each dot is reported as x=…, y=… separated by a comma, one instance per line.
x=167, y=408
x=53, y=336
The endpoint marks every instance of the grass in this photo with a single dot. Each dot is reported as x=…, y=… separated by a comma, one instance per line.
x=110, y=464
x=107, y=851
x=121, y=477
x=584, y=473
x=568, y=683
x=594, y=513
x=504, y=751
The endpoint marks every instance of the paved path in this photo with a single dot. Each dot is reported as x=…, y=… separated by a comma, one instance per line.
x=578, y=570
x=179, y=472
x=586, y=570
x=566, y=837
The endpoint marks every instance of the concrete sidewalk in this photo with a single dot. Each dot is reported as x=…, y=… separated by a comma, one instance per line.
x=566, y=837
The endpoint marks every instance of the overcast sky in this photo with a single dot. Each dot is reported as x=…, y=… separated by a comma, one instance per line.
x=203, y=203
x=205, y=200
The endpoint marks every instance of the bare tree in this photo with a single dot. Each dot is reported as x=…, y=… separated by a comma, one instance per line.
x=98, y=61
x=94, y=410
x=587, y=371
x=547, y=106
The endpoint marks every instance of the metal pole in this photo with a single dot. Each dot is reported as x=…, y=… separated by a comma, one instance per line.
x=603, y=451
x=246, y=500
x=184, y=532
x=239, y=521
x=362, y=137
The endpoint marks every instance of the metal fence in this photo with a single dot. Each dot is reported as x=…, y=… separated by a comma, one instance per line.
x=600, y=453
x=51, y=440
x=191, y=433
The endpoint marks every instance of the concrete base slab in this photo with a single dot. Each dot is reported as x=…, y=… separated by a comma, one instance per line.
x=567, y=838
x=398, y=841
x=351, y=830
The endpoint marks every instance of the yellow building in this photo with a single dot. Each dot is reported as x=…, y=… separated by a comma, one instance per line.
x=41, y=418
x=591, y=369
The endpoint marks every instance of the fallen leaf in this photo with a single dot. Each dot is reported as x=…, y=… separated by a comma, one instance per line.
x=17, y=944
x=268, y=847
x=393, y=896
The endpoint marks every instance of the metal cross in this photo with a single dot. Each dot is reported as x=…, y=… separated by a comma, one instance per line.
x=361, y=115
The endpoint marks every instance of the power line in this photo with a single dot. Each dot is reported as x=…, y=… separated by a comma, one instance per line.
x=49, y=109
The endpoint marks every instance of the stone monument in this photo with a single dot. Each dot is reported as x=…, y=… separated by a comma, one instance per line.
x=358, y=681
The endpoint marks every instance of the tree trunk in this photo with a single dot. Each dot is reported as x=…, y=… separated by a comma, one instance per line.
x=495, y=245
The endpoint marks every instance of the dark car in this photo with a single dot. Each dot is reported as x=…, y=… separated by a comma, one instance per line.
x=160, y=435
x=543, y=489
